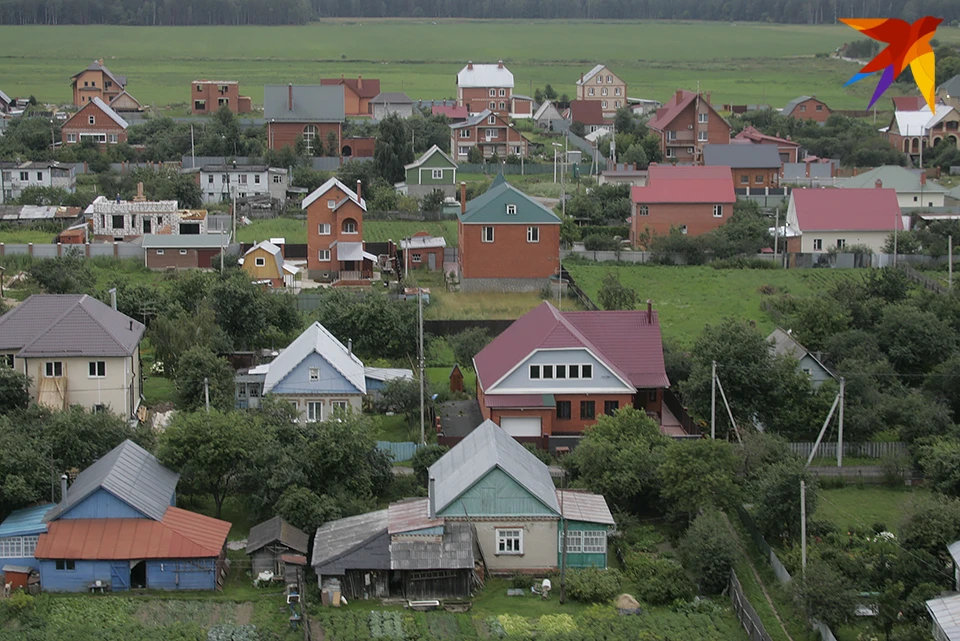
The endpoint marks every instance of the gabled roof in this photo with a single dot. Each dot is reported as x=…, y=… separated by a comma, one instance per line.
x=846, y=209
x=271, y=249
x=325, y=187
x=276, y=530
x=106, y=109
x=542, y=109
x=392, y=98
x=338, y=538
x=684, y=184
x=666, y=114
x=387, y=373
x=68, y=325
x=316, y=339
x=484, y=449
x=909, y=103
x=5, y=98
x=370, y=88
x=587, y=77
x=123, y=95
x=741, y=156
x=585, y=507
x=790, y=106
x=484, y=75
x=477, y=119
x=311, y=103
x=25, y=522
x=899, y=178
x=427, y=155
x=131, y=474
x=491, y=207
x=589, y=112
x=784, y=344
x=454, y=112
x=410, y=515
x=423, y=242
x=951, y=87
x=753, y=134
x=96, y=65
x=918, y=123
x=945, y=612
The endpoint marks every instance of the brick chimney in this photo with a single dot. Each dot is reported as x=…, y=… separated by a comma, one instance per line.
x=923, y=177
x=470, y=65
x=463, y=197
x=359, y=82
x=878, y=184
x=649, y=311
x=139, y=197
x=581, y=79
x=708, y=98
x=499, y=64
x=359, y=191
x=679, y=95
x=290, y=97
x=100, y=61
x=807, y=163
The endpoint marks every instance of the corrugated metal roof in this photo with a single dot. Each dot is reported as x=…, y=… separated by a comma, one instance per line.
x=952, y=86
x=387, y=373
x=17, y=569
x=679, y=184
x=784, y=344
x=213, y=240
x=27, y=521
x=954, y=550
x=945, y=613
x=491, y=207
x=585, y=506
x=363, y=88
x=484, y=75
x=665, y=115
x=106, y=109
x=427, y=155
x=918, y=123
x=454, y=551
x=484, y=449
x=790, y=106
x=337, y=538
x=423, y=242
x=130, y=473
x=409, y=515
x=452, y=112
x=587, y=77
x=311, y=103
x=295, y=559
x=38, y=212
x=276, y=529
x=846, y=209
x=899, y=178
x=317, y=339
x=589, y=112
x=392, y=98
x=740, y=156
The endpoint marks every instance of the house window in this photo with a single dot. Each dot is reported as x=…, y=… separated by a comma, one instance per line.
x=817, y=244
x=183, y=252
x=803, y=107
x=510, y=541
x=331, y=204
x=744, y=180
x=53, y=369
x=276, y=180
x=534, y=372
x=503, y=92
x=260, y=262
x=603, y=92
x=210, y=179
x=159, y=252
x=40, y=175
x=533, y=234
x=915, y=199
x=225, y=179
x=599, y=79
x=590, y=91
x=66, y=564
x=254, y=390
x=349, y=226
x=493, y=133
x=586, y=371
x=588, y=410
x=609, y=407
x=91, y=120
x=609, y=79
x=71, y=137
x=309, y=137
x=702, y=118
x=616, y=92
x=243, y=179
x=314, y=411
x=492, y=120
x=11, y=548
x=464, y=133
x=643, y=210
x=256, y=179
x=25, y=175
x=199, y=89
x=683, y=229
x=437, y=174
x=222, y=102
x=561, y=371
x=511, y=210
x=97, y=369
x=616, y=104
x=603, y=104
x=340, y=406
x=758, y=179
x=547, y=371
x=112, y=138
x=574, y=541
x=486, y=234
x=463, y=151
x=417, y=258
x=563, y=410
x=99, y=408
x=702, y=136
x=594, y=542
x=718, y=211
x=323, y=229
x=669, y=153
x=199, y=105
x=503, y=105
x=671, y=135
x=493, y=105
x=493, y=92
x=841, y=243
x=573, y=371
x=117, y=220
x=819, y=107
x=323, y=255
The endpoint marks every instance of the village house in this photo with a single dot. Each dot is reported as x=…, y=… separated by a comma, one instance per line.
x=208, y=96
x=265, y=265
x=491, y=133
x=276, y=546
x=604, y=87
x=752, y=166
x=485, y=87
x=308, y=112
x=17, y=176
x=19, y=533
x=184, y=251
x=692, y=200
x=335, y=250
x=76, y=351
x=6, y=103
x=357, y=94
x=116, y=528
x=222, y=183
x=913, y=189
x=908, y=130
x=547, y=116
x=789, y=150
x=422, y=251
x=783, y=343
x=643, y=106
x=95, y=122
x=806, y=108
x=433, y=171
x=685, y=124
x=623, y=174
x=507, y=241
x=121, y=220
x=908, y=103
x=125, y=103
x=821, y=219
x=389, y=103
x=588, y=113
x=96, y=81
x=949, y=93
x=456, y=113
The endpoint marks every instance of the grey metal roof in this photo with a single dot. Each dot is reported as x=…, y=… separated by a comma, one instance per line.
x=453, y=552
x=952, y=86
x=277, y=530
x=311, y=103
x=338, y=538
x=784, y=344
x=945, y=613
x=954, y=550
x=788, y=109
x=473, y=120
x=212, y=240
x=391, y=98
x=484, y=449
x=5, y=98
x=130, y=473
x=68, y=325
x=105, y=108
x=742, y=156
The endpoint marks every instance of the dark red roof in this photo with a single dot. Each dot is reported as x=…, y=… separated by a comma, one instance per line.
x=686, y=184
x=628, y=342
x=294, y=559
x=589, y=112
x=671, y=110
x=846, y=209
x=908, y=103
x=454, y=112
x=370, y=88
x=752, y=134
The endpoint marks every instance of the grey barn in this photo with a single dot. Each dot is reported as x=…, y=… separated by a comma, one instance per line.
x=278, y=547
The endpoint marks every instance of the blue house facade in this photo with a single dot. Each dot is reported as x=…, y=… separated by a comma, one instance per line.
x=19, y=534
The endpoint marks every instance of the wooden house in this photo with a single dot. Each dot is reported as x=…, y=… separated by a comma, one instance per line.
x=265, y=265
x=278, y=547
x=456, y=379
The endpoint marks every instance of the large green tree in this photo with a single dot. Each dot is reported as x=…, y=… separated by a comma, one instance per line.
x=699, y=475
x=776, y=499
x=393, y=150
x=195, y=366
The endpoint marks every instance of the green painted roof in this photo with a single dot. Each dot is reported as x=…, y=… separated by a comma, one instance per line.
x=893, y=177
x=491, y=207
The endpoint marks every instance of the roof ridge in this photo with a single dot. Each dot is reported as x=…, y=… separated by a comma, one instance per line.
x=59, y=318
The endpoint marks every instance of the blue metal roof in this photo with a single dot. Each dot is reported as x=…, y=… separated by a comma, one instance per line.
x=26, y=521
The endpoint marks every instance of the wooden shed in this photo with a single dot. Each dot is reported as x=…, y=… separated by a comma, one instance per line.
x=278, y=547
x=16, y=576
x=456, y=379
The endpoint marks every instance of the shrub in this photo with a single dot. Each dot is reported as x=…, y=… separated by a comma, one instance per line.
x=708, y=550
x=598, y=242
x=659, y=580
x=744, y=262
x=591, y=585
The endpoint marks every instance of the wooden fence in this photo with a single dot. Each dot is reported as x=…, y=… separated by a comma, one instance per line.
x=923, y=281
x=860, y=450
x=744, y=610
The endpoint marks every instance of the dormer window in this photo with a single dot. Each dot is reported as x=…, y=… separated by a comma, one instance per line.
x=511, y=210
x=492, y=120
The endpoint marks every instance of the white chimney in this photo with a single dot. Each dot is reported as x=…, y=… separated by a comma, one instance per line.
x=63, y=487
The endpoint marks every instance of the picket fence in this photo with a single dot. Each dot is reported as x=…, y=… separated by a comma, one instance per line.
x=860, y=450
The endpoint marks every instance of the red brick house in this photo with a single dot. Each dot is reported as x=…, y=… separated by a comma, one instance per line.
x=788, y=149
x=335, y=250
x=423, y=251
x=97, y=122
x=589, y=113
x=694, y=200
x=551, y=374
x=456, y=113
x=357, y=93
x=483, y=87
x=207, y=96
x=310, y=112
x=908, y=103
x=183, y=251
x=358, y=147
x=491, y=133
x=685, y=124
x=807, y=108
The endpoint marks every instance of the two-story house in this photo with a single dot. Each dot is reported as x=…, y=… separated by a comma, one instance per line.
x=485, y=87
x=15, y=177
x=208, y=96
x=76, y=351
x=752, y=166
x=307, y=112
x=685, y=124
x=96, y=122
x=335, y=235
x=121, y=220
x=390, y=103
x=909, y=130
x=96, y=81
x=507, y=241
x=820, y=219
x=221, y=183
x=948, y=93
x=807, y=108
x=605, y=87
x=433, y=171
x=551, y=374
x=491, y=133
x=357, y=93
x=692, y=200
x=788, y=150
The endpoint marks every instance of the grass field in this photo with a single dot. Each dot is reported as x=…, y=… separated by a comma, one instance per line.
x=13, y=236
x=741, y=63
x=374, y=231
x=862, y=507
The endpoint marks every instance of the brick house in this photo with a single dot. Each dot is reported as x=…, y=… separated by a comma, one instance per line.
x=589, y=113
x=909, y=130
x=507, y=240
x=807, y=108
x=686, y=123
x=335, y=235
x=207, y=96
x=358, y=147
x=908, y=103
x=96, y=81
x=122, y=220
x=456, y=113
x=604, y=87
x=752, y=166
x=551, y=374
x=357, y=94
x=125, y=103
x=97, y=122
x=311, y=112
x=694, y=200
x=482, y=87
x=491, y=133
x=426, y=251
x=819, y=219
x=176, y=251
x=788, y=149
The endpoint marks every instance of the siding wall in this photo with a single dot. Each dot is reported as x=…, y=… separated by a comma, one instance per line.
x=117, y=573
x=494, y=495
x=520, y=379
x=539, y=545
x=582, y=560
x=102, y=505
x=298, y=380
x=182, y=574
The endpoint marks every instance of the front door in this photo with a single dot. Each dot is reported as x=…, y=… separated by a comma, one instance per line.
x=138, y=576
x=147, y=226
x=432, y=261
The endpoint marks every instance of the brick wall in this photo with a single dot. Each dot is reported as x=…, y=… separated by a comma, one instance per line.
x=807, y=110
x=173, y=258
x=283, y=134
x=698, y=218
x=210, y=94
x=80, y=124
x=769, y=178
x=476, y=99
x=509, y=256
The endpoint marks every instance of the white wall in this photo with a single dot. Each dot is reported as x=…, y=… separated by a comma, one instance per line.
x=872, y=239
x=539, y=545
x=113, y=390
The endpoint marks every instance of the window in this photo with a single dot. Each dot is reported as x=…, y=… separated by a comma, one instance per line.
x=511, y=210
x=702, y=118
x=254, y=390
x=210, y=179
x=652, y=396
x=534, y=372
x=463, y=151
x=563, y=410
x=464, y=133
x=817, y=244
x=199, y=89
x=260, y=262
x=590, y=92
x=609, y=407
x=486, y=234
x=509, y=541
x=744, y=180
x=91, y=120
x=53, y=369
x=603, y=92
x=7, y=359
x=803, y=107
x=243, y=179
x=493, y=105
x=683, y=229
x=331, y=204
x=503, y=105
x=323, y=255
x=159, y=252
x=492, y=120
x=586, y=371
x=24, y=175
x=256, y=179
x=183, y=252
x=609, y=79
x=503, y=92
x=71, y=137
x=99, y=408
x=493, y=92
x=702, y=136
x=349, y=226
x=11, y=548
x=66, y=564
x=199, y=105
x=616, y=104
x=223, y=101
x=314, y=411
x=276, y=180
x=492, y=133
x=515, y=150
x=40, y=175
x=588, y=410
x=117, y=221
x=718, y=211
x=574, y=541
x=225, y=179
x=338, y=405
x=671, y=135
x=437, y=174
x=112, y=138
x=599, y=79
x=547, y=371
x=758, y=179
x=669, y=153
x=417, y=258
x=533, y=234
x=914, y=199
x=561, y=371
x=616, y=92
x=97, y=369
x=819, y=107
x=100, y=138
x=603, y=104
x=573, y=371
x=309, y=137
x=841, y=243
x=594, y=541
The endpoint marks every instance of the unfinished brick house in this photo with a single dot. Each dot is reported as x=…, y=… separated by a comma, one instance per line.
x=207, y=96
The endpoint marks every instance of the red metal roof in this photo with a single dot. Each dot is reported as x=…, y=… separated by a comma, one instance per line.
x=683, y=184
x=752, y=134
x=410, y=515
x=628, y=342
x=671, y=110
x=453, y=112
x=180, y=535
x=908, y=103
x=589, y=112
x=846, y=209
x=294, y=559
x=370, y=88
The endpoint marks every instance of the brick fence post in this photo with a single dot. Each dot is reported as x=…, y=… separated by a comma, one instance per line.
x=59, y=249
x=30, y=249
x=86, y=249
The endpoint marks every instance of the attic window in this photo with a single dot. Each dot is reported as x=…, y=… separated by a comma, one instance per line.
x=314, y=373
x=260, y=262
x=492, y=120
x=511, y=210
x=331, y=204
x=92, y=120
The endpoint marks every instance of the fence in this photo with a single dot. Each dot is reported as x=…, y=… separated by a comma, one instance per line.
x=680, y=412
x=509, y=169
x=923, y=281
x=862, y=450
x=399, y=451
x=745, y=613
x=579, y=293
x=92, y=250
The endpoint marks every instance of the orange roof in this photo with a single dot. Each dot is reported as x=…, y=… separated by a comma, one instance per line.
x=180, y=535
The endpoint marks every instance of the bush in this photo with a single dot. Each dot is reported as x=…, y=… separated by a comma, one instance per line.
x=521, y=581
x=597, y=242
x=708, y=550
x=592, y=585
x=744, y=262
x=659, y=580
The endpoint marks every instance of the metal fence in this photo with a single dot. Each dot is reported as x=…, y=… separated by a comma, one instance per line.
x=744, y=610
x=778, y=567
x=861, y=450
x=508, y=169
x=399, y=451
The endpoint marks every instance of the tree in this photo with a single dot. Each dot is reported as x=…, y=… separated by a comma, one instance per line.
x=379, y=327
x=424, y=458
x=173, y=334
x=303, y=509
x=614, y=294
x=467, y=343
x=930, y=524
x=475, y=156
x=433, y=201
x=635, y=155
x=577, y=128
x=943, y=382
x=709, y=551
x=309, y=178
x=821, y=593
x=393, y=149
x=777, y=499
x=549, y=93
x=331, y=147
x=940, y=462
x=402, y=395
x=68, y=274
x=915, y=341
x=14, y=390
x=699, y=475
x=196, y=365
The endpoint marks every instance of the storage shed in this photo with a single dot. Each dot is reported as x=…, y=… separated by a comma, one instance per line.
x=278, y=547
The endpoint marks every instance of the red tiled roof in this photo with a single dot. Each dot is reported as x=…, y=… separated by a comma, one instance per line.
x=846, y=209
x=908, y=103
x=671, y=110
x=684, y=184
x=370, y=89
x=454, y=112
x=626, y=341
x=589, y=112
x=752, y=134
x=180, y=535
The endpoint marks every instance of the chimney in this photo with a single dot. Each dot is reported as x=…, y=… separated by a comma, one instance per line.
x=350, y=346
x=636, y=167
x=679, y=95
x=807, y=163
x=649, y=311
x=100, y=61
x=878, y=184
x=499, y=64
x=463, y=197
x=470, y=65
x=923, y=177
x=290, y=97
x=359, y=190
x=359, y=82
x=432, y=503
x=581, y=79
x=113, y=298
x=131, y=324
x=708, y=97
x=63, y=488
x=140, y=197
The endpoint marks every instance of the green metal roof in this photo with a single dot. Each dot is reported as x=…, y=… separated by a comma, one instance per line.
x=892, y=177
x=491, y=207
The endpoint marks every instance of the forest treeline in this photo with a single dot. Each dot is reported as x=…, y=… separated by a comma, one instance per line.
x=285, y=12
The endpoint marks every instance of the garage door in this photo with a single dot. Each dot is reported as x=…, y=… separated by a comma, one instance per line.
x=521, y=426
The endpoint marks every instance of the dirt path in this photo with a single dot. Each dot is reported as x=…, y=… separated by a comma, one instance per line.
x=244, y=612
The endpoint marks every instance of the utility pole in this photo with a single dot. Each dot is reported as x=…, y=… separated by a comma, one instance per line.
x=949, y=265
x=206, y=393
x=193, y=150
x=563, y=552
x=233, y=189
x=420, y=310
x=713, y=400
x=803, y=527
x=840, y=428
x=776, y=238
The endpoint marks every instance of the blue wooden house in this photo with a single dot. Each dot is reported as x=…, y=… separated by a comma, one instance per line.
x=117, y=527
x=19, y=533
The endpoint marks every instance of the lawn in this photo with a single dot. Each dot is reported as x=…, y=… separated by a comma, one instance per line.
x=157, y=389
x=740, y=63
x=295, y=231
x=862, y=507
x=14, y=236
x=439, y=378
x=291, y=230
x=689, y=298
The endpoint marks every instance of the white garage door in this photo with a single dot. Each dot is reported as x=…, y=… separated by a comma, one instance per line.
x=521, y=426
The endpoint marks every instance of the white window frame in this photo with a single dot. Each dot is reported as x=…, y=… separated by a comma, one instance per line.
x=718, y=211
x=818, y=244
x=584, y=373
x=533, y=234
x=669, y=153
x=841, y=243
x=331, y=203
x=484, y=236
x=463, y=151
x=703, y=118
x=643, y=210
x=50, y=369
x=492, y=133
x=603, y=105
x=603, y=92
x=256, y=179
x=323, y=255
x=97, y=369
x=112, y=139
x=503, y=92
x=616, y=91
x=547, y=372
x=683, y=229
x=590, y=91
x=91, y=120
x=314, y=411
x=534, y=369
x=492, y=120
x=436, y=174
x=260, y=261
x=277, y=180
x=671, y=135
x=594, y=541
x=464, y=133
x=573, y=371
x=159, y=252
x=493, y=105
x=574, y=541
x=503, y=105
x=493, y=93
x=323, y=229
x=511, y=210
x=349, y=227
x=509, y=541
x=183, y=252
x=702, y=136
x=71, y=137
